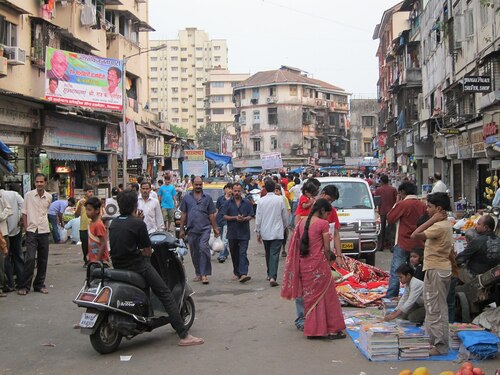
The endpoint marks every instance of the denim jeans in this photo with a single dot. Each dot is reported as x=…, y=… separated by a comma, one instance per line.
x=37, y=247
x=273, y=249
x=14, y=263
x=224, y=253
x=239, y=256
x=301, y=316
x=293, y=207
x=54, y=223
x=399, y=257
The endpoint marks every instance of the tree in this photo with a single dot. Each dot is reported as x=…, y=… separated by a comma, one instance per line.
x=178, y=131
x=209, y=136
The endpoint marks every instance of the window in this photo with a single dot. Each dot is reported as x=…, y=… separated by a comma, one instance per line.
x=367, y=121
x=334, y=119
x=184, y=59
x=256, y=117
x=173, y=48
x=217, y=84
x=174, y=69
x=184, y=109
x=272, y=91
x=154, y=58
x=255, y=93
x=272, y=116
x=217, y=58
x=199, y=120
x=175, y=79
x=274, y=143
x=243, y=94
x=175, y=119
x=175, y=90
x=367, y=147
x=484, y=15
x=293, y=90
x=199, y=48
x=184, y=79
x=199, y=58
x=256, y=145
x=184, y=70
x=217, y=99
x=175, y=100
x=183, y=49
x=469, y=23
x=175, y=110
x=218, y=111
x=243, y=118
x=216, y=48
x=174, y=58
x=154, y=69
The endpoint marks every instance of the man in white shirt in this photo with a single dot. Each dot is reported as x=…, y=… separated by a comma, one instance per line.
x=149, y=209
x=270, y=223
x=5, y=212
x=439, y=186
x=15, y=260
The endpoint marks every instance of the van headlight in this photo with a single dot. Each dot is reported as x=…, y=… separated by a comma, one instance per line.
x=177, y=215
x=367, y=226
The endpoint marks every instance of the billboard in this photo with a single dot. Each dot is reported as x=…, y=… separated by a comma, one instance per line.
x=271, y=160
x=194, y=155
x=83, y=80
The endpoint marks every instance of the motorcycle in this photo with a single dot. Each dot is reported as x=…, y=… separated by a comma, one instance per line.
x=119, y=303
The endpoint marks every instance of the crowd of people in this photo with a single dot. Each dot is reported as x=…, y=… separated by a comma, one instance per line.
x=423, y=259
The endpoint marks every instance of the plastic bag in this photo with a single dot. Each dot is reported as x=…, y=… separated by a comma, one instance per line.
x=63, y=233
x=218, y=245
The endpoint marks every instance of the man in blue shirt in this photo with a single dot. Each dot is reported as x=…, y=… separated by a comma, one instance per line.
x=238, y=212
x=221, y=223
x=168, y=198
x=198, y=210
x=55, y=214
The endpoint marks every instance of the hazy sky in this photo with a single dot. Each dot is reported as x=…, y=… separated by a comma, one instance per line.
x=331, y=39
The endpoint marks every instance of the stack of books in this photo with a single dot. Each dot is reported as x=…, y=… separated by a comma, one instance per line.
x=413, y=343
x=457, y=327
x=379, y=341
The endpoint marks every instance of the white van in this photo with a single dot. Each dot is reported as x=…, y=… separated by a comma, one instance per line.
x=358, y=218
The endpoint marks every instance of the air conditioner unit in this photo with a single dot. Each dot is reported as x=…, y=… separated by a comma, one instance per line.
x=15, y=55
x=300, y=152
x=272, y=99
x=3, y=67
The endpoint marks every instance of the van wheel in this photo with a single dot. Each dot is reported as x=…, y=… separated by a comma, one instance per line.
x=370, y=258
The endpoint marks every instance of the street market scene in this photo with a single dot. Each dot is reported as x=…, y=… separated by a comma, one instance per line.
x=319, y=193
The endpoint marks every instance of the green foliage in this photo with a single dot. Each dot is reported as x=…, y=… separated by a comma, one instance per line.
x=209, y=136
x=178, y=131
x=491, y=4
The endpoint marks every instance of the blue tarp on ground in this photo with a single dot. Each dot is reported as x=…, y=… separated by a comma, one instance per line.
x=219, y=159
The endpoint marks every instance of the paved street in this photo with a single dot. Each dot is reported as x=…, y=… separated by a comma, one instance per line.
x=248, y=330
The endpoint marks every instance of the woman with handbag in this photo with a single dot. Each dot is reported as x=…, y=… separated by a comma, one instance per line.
x=308, y=274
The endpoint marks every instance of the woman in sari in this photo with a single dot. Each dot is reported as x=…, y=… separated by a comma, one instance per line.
x=308, y=274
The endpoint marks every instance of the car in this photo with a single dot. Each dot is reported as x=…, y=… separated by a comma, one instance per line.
x=358, y=219
x=214, y=189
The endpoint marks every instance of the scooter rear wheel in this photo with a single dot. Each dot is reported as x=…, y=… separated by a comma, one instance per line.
x=188, y=312
x=105, y=339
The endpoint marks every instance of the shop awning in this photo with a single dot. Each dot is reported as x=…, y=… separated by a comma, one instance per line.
x=71, y=155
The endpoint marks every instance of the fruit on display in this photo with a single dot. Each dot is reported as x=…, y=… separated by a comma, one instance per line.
x=421, y=371
x=405, y=372
x=467, y=368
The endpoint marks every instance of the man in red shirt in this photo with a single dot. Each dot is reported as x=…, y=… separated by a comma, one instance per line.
x=388, y=196
x=404, y=214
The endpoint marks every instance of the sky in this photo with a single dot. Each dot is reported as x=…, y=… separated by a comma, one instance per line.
x=332, y=40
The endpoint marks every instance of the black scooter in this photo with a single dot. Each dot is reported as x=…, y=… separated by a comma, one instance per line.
x=119, y=304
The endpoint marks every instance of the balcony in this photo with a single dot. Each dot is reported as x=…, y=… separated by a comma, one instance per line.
x=411, y=77
x=339, y=107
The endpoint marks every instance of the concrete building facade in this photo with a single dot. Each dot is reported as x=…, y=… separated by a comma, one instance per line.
x=363, y=126
x=286, y=111
x=177, y=75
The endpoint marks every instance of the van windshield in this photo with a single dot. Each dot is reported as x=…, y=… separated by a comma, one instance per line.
x=352, y=195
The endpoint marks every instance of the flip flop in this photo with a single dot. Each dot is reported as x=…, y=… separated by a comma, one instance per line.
x=204, y=280
x=42, y=290
x=22, y=292
x=273, y=282
x=336, y=336
x=197, y=341
x=245, y=278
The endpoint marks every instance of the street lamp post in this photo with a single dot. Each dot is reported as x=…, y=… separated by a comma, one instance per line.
x=124, y=107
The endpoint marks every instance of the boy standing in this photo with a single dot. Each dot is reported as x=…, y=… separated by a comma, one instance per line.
x=98, y=242
x=438, y=236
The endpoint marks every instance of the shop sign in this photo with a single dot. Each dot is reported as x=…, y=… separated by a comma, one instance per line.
x=389, y=156
x=80, y=137
x=476, y=84
x=464, y=149
x=194, y=155
x=273, y=160
x=18, y=115
x=151, y=146
x=409, y=139
x=449, y=131
x=167, y=150
x=382, y=139
x=176, y=152
x=490, y=130
x=12, y=138
x=175, y=164
x=111, y=138
x=399, y=146
x=477, y=143
x=451, y=146
x=439, y=149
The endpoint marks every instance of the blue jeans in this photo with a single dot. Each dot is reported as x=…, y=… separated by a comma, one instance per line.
x=224, y=253
x=200, y=252
x=273, y=249
x=54, y=223
x=301, y=316
x=293, y=207
x=399, y=257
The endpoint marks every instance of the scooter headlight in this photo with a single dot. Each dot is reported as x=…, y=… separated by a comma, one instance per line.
x=177, y=215
x=495, y=211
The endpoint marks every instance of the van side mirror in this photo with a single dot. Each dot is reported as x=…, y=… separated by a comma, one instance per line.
x=376, y=200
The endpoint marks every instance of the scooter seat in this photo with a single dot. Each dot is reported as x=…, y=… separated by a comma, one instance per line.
x=129, y=277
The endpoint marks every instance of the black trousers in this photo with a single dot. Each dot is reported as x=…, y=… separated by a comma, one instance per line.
x=84, y=238
x=14, y=263
x=162, y=291
x=37, y=246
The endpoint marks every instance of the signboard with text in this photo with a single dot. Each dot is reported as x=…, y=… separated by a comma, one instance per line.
x=476, y=84
x=271, y=160
x=194, y=155
x=83, y=80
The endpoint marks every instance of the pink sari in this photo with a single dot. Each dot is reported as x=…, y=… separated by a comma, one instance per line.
x=311, y=277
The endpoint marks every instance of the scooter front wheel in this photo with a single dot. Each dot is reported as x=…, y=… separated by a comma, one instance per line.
x=105, y=339
x=188, y=312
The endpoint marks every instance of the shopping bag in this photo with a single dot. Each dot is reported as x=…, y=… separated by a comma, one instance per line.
x=63, y=233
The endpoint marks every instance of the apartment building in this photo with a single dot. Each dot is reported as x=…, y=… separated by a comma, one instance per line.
x=363, y=126
x=177, y=75
x=71, y=139
x=219, y=105
x=286, y=111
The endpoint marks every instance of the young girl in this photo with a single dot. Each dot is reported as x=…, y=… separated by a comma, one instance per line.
x=416, y=261
x=438, y=235
x=306, y=201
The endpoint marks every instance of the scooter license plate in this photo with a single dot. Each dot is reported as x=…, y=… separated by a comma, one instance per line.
x=88, y=320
